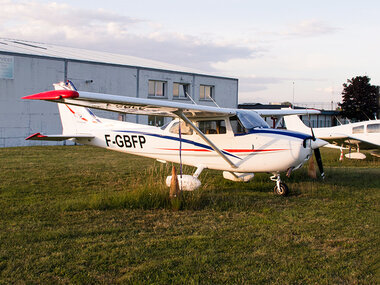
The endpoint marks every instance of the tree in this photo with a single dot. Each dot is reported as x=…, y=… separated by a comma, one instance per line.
x=360, y=99
x=286, y=103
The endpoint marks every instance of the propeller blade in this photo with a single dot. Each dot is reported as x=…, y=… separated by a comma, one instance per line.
x=312, y=132
x=319, y=162
x=317, y=152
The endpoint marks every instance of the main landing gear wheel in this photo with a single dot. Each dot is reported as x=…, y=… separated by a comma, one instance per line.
x=281, y=189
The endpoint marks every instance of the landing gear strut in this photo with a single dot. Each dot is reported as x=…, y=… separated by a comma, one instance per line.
x=281, y=188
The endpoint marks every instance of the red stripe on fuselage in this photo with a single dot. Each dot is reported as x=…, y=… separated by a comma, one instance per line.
x=226, y=150
x=252, y=150
x=185, y=149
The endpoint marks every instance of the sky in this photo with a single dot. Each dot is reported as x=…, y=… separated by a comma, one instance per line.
x=296, y=51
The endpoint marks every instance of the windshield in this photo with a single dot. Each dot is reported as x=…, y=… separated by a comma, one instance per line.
x=251, y=119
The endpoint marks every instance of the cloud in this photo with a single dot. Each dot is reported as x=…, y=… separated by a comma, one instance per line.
x=310, y=28
x=253, y=84
x=58, y=15
x=99, y=29
x=258, y=83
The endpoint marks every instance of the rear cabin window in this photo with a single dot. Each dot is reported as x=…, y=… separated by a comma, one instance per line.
x=373, y=128
x=358, y=130
x=212, y=127
x=185, y=129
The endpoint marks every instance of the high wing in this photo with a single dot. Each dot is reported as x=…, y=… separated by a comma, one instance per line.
x=338, y=139
x=143, y=106
x=131, y=105
x=366, y=142
x=285, y=112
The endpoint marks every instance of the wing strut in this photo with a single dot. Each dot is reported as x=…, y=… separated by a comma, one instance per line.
x=210, y=143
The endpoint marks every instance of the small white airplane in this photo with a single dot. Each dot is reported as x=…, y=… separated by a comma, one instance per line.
x=238, y=142
x=366, y=133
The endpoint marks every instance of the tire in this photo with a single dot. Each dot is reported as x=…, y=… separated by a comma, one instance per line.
x=283, y=190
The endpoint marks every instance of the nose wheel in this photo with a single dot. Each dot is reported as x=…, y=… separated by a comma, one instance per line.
x=280, y=188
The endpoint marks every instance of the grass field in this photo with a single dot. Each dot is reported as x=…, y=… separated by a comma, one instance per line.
x=85, y=215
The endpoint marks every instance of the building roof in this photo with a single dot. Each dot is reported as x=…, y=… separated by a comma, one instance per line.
x=259, y=106
x=56, y=51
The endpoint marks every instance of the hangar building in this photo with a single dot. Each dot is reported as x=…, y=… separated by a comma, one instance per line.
x=28, y=67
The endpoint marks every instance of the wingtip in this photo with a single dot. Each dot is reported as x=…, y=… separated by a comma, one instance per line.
x=53, y=95
x=36, y=135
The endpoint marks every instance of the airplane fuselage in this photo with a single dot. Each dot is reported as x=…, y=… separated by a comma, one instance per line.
x=251, y=152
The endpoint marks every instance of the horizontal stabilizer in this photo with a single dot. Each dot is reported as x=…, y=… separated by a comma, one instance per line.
x=41, y=137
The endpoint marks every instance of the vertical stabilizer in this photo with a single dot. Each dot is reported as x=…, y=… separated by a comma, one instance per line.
x=75, y=119
x=294, y=123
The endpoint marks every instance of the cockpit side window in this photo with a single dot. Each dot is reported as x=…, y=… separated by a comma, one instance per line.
x=236, y=126
x=212, y=126
x=251, y=120
x=185, y=129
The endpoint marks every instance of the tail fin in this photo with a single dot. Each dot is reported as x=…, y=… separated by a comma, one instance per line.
x=75, y=119
x=294, y=123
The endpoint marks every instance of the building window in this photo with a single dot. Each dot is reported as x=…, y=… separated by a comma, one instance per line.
x=157, y=88
x=180, y=90
x=206, y=92
x=156, y=121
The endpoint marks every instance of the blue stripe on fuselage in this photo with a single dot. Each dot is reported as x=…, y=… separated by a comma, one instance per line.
x=277, y=132
x=177, y=139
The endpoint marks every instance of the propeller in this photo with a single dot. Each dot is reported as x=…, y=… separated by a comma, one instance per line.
x=318, y=157
x=315, y=145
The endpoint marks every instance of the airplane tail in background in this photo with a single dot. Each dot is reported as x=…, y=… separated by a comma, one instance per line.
x=294, y=123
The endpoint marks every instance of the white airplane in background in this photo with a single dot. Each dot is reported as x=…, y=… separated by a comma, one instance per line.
x=366, y=133
x=238, y=142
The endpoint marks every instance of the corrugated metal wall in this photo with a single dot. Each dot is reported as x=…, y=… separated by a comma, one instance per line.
x=32, y=74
